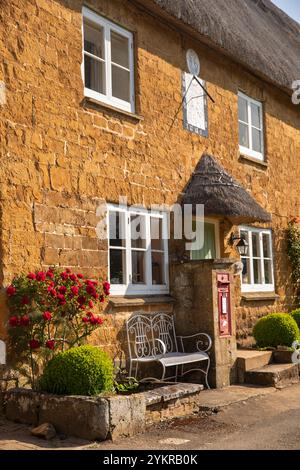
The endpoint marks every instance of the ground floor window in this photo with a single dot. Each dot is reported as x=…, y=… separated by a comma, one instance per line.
x=210, y=249
x=258, y=271
x=138, y=251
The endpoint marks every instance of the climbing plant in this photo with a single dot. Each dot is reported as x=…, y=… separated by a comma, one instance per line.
x=293, y=250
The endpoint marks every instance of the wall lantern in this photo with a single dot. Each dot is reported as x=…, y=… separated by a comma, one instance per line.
x=242, y=246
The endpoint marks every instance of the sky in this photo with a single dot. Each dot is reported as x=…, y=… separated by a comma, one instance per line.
x=291, y=7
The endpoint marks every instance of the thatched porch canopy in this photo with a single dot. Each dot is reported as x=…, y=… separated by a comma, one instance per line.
x=221, y=194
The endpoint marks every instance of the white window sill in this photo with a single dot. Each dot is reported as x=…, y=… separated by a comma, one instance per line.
x=252, y=153
x=91, y=102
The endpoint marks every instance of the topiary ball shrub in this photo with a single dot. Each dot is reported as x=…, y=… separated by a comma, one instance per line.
x=82, y=370
x=276, y=329
x=296, y=316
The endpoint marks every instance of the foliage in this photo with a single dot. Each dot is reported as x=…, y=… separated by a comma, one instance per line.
x=83, y=370
x=276, y=329
x=50, y=311
x=296, y=316
x=130, y=384
x=293, y=251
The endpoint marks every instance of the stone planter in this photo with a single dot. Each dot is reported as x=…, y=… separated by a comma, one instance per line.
x=282, y=356
x=100, y=418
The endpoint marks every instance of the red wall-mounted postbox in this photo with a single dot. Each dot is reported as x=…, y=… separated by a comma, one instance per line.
x=224, y=309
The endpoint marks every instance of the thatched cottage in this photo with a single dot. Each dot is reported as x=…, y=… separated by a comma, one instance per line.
x=160, y=102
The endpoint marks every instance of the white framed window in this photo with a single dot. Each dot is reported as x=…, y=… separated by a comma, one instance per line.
x=107, y=63
x=138, y=251
x=251, y=132
x=211, y=245
x=258, y=270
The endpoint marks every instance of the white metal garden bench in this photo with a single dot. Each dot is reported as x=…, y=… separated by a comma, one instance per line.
x=152, y=338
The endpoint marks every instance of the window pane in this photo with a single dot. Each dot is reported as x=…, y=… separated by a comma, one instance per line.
x=255, y=244
x=156, y=233
x=120, y=83
x=117, y=266
x=256, y=115
x=138, y=231
x=268, y=271
x=93, y=39
x=119, y=49
x=257, y=271
x=94, y=74
x=246, y=271
x=266, y=246
x=209, y=248
x=243, y=109
x=116, y=228
x=138, y=267
x=244, y=135
x=157, y=268
x=256, y=140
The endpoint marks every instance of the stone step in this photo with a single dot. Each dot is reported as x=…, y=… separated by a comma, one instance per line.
x=249, y=359
x=170, y=392
x=275, y=375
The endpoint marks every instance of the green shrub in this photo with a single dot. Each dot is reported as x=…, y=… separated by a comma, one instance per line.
x=82, y=370
x=296, y=316
x=276, y=329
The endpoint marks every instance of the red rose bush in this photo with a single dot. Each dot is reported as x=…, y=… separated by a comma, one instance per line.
x=53, y=310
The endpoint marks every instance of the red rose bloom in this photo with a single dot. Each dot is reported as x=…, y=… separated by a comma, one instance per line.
x=73, y=277
x=86, y=319
x=13, y=321
x=90, y=289
x=62, y=289
x=11, y=290
x=25, y=320
x=31, y=276
x=95, y=295
x=74, y=290
x=62, y=299
x=91, y=305
x=47, y=316
x=50, y=344
x=52, y=291
x=106, y=287
x=68, y=270
x=50, y=274
x=34, y=344
x=102, y=298
x=94, y=320
x=25, y=300
x=64, y=275
x=80, y=276
x=41, y=276
x=81, y=300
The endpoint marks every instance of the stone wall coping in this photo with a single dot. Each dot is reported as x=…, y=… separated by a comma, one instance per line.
x=256, y=296
x=138, y=301
x=87, y=101
x=171, y=392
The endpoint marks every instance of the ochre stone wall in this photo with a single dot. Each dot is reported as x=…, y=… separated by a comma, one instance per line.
x=60, y=155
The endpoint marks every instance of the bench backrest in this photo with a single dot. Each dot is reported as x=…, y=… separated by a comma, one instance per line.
x=143, y=330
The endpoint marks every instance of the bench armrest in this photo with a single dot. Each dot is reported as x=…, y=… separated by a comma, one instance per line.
x=164, y=349
x=207, y=342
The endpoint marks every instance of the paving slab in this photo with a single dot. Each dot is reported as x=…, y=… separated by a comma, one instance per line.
x=212, y=400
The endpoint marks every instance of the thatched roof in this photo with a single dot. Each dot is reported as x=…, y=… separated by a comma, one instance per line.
x=221, y=195
x=253, y=32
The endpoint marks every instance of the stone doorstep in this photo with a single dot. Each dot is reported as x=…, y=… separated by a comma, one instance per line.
x=171, y=392
x=251, y=359
x=276, y=375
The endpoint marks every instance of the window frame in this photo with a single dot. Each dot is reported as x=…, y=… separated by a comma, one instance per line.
x=148, y=288
x=245, y=150
x=263, y=287
x=216, y=225
x=108, y=26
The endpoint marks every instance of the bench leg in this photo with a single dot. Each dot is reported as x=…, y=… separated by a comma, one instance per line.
x=206, y=373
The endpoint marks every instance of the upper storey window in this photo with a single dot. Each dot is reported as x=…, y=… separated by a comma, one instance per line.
x=251, y=136
x=107, y=67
